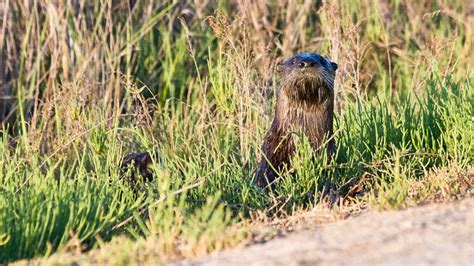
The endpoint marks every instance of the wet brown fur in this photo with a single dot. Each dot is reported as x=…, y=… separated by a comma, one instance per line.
x=305, y=103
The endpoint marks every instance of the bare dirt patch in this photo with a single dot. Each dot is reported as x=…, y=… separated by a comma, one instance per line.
x=434, y=234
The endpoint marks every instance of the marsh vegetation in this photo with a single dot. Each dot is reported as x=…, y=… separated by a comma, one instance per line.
x=83, y=83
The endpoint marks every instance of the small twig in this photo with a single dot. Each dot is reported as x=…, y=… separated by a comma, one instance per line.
x=284, y=203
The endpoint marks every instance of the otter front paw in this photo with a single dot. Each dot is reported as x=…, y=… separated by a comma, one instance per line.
x=265, y=176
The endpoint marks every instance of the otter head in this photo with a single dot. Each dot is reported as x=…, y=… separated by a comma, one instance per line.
x=308, y=77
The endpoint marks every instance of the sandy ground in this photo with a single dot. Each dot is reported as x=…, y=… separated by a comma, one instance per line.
x=440, y=234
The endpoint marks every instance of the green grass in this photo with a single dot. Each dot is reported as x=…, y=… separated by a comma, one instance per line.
x=200, y=92
x=395, y=143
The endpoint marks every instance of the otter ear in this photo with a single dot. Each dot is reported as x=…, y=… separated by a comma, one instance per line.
x=279, y=67
x=334, y=66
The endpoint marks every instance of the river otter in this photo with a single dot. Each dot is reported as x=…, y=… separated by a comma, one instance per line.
x=305, y=103
x=140, y=163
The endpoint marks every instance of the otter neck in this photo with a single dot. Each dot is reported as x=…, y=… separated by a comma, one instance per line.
x=313, y=118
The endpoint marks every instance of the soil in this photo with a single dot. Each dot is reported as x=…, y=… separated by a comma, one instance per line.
x=437, y=234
